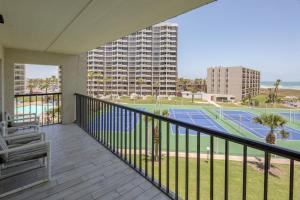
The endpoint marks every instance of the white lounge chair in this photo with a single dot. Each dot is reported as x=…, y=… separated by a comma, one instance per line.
x=18, y=151
x=13, y=123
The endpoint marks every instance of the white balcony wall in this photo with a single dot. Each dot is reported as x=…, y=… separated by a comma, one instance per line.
x=73, y=76
x=1, y=79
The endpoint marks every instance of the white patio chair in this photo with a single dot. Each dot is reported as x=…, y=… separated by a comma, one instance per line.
x=11, y=156
x=13, y=123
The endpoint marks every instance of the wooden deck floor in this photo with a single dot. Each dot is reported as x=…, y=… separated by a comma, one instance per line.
x=83, y=169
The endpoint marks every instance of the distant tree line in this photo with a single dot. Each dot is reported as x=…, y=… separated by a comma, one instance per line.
x=42, y=83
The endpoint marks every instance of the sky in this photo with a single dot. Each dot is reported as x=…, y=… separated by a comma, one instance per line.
x=34, y=71
x=260, y=34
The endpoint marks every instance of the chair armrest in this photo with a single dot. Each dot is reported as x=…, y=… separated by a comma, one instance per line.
x=21, y=117
x=26, y=147
x=26, y=152
x=24, y=138
x=24, y=135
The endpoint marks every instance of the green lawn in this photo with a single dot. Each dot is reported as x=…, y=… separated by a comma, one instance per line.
x=278, y=186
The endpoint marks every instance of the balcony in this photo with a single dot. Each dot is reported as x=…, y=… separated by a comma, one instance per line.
x=112, y=151
x=101, y=175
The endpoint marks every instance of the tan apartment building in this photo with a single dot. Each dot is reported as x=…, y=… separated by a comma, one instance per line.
x=237, y=81
x=19, y=76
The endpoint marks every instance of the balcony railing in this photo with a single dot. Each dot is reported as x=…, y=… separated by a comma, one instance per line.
x=47, y=106
x=158, y=147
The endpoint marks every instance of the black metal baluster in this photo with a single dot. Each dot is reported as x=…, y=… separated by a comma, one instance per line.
x=102, y=122
x=198, y=167
x=84, y=113
x=226, y=169
x=176, y=162
x=95, y=117
x=146, y=146
x=53, y=114
x=159, y=154
x=107, y=125
x=30, y=106
x=47, y=109
x=23, y=108
x=291, y=194
x=125, y=132
x=36, y=99
x=58, y=109
x=186, y=164
x=152, y=149
x=211, y=167
x=114, y=129
x=118, y=129
x=110, y=126
x=168, y=158
x=130, y=133
x=266, y=175
x=122, y=121
x=98, y=121
x=140, y=141
x=245, y=173
x=42, y=110
x=134, y=140
x=89, y=116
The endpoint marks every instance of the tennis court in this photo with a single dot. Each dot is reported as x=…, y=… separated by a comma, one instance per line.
x=193, y=116
x=245, y=120
x=124, y=118
x=291, y=116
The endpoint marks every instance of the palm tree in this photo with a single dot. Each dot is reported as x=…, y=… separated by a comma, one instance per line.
x=31, y=85
x=276, y=84
x=272, y=121
x=91, y=75
x=156, y=87
x=164, y=113
x=107, y=80
x=123, y=78
x=140, y=82
x=193, y=89
x=45, y=84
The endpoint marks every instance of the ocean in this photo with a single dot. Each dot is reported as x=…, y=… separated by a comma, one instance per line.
x=283, y=85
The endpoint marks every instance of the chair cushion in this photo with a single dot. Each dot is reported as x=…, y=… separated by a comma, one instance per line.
x=3, y=146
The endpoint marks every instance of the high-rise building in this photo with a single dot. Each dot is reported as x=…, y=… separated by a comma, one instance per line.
x=238, y=81
x=138, y=63
x=19, y=76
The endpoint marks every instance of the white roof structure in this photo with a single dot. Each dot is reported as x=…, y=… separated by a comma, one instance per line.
x=76, y=26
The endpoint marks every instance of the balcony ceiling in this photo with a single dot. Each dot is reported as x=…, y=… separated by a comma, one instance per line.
x=75, y=26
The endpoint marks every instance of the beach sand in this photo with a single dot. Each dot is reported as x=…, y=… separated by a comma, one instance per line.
x=283, y=92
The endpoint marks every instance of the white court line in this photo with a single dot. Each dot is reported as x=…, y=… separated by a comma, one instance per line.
x=258, y=134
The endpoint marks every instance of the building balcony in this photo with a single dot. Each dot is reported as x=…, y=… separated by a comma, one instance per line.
x=101, y=175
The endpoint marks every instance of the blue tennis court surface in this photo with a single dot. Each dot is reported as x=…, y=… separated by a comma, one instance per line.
x=292, y=116
x=245, y=120
x=122, y=117
x=196, y=117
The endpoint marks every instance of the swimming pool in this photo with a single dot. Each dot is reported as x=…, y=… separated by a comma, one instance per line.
x=38, y=109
